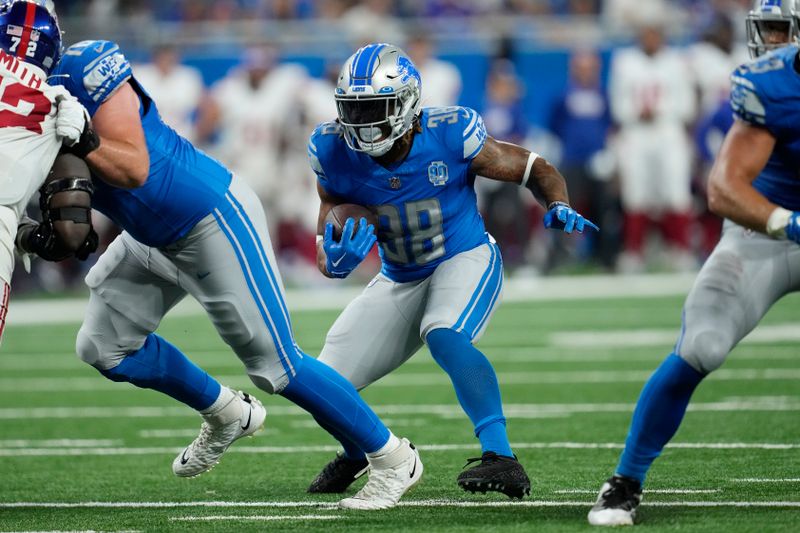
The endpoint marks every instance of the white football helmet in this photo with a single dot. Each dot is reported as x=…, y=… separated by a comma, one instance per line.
x=772, y=24
x=378, y=96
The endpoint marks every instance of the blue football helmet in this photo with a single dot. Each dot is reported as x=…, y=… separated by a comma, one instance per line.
x=29, y=31
x=772, y=24
x=378, y=97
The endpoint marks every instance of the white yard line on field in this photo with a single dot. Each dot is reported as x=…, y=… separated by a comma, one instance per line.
x=511, y=410
x=763, y=334
x=407, y=503
x=257, y=518
x=428, y=379
x=169, y=450
x=335, y=298
x=60, y=443
x=766, y=480
x=648, y=491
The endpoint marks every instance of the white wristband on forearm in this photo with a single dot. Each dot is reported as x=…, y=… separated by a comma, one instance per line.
x=531, y=158
x=777, y=222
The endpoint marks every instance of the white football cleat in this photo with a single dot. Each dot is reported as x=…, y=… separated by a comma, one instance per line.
x=390, y=476
x=617, y=503
x=241, y=417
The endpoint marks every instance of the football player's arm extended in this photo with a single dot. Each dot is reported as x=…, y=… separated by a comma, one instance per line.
x=731, y=194
x=504, y=161
x=326, y=203
x=122, y=159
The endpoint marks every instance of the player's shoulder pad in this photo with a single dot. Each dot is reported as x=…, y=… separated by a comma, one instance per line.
x=756, y=86
x=92, y=71
x=461, y=128
x=324, y=142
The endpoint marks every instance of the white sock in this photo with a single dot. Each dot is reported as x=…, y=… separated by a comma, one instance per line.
x=224, y=409
x=391, y=445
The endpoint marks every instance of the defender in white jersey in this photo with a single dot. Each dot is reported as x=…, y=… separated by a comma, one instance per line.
x=35, y=118
x=442, y=273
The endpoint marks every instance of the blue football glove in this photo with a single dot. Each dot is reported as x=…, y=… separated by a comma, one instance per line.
x=346, y=255
x=793, y=227
x=562, y=216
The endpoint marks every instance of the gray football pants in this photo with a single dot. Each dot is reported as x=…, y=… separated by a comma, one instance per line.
x=385, y=325
x=745, y=275
x=226, y=263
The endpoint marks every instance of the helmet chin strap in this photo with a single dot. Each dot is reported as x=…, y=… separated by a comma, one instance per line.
x=380, y=150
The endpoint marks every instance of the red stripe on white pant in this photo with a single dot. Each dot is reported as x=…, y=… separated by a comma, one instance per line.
x=4, y=308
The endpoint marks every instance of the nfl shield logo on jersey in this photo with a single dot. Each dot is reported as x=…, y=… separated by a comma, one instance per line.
x=437, y=173
x=395, y=183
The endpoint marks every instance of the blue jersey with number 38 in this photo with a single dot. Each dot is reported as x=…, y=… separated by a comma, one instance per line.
x=766, y=93
x=184, y=184
x=426, y=204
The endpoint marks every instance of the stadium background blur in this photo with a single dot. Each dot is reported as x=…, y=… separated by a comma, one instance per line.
x=247, y=80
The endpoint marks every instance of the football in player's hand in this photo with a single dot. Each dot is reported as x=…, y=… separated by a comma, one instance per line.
x=339, y=214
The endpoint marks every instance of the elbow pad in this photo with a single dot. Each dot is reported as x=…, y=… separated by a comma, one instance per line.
x=65, y=202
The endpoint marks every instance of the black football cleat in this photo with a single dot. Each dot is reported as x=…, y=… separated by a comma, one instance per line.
x=617, y=503
x=338, y=475
x=496, y=473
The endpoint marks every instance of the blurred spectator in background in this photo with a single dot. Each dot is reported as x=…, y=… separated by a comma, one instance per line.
x=506, y=214
x=253, y=110
x=713, y=59
x=178, y=89
x=582, y=122
x=652, y=100
x=442, y=79
x=372, y=20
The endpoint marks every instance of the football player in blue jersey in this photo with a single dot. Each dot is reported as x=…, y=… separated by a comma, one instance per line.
x=755, y=186
x=442, y=273
x=190, y=227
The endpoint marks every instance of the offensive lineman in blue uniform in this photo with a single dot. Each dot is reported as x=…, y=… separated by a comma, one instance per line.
x=193, y=228
x=755, y=186
x=442, y=273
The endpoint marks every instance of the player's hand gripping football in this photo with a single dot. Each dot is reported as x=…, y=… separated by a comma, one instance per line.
x=344, y=256
x=562, y=216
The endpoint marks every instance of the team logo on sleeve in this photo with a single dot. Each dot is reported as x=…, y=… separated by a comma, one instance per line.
x=437, y=173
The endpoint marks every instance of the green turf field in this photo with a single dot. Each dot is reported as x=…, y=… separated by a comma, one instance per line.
x=570, y=373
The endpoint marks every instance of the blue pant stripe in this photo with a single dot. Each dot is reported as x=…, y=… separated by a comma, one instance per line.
x=677, y=349
x=498, y=289
x=257, y=296
x=265, y=263
x=459, y=325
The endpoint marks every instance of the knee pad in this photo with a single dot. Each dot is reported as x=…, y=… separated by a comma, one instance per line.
x=705, y=350
x=93, y=349
x=273, y=378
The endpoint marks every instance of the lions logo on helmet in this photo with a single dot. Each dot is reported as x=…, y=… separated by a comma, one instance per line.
x=772, y=24
x=378, y=96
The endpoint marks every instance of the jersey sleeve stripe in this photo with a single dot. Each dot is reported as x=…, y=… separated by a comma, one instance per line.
x=88, y=68
x=471, y=126
x=474, y=142
x=475, y=152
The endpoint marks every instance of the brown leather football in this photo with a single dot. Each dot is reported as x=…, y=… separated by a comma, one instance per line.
x=339, y=214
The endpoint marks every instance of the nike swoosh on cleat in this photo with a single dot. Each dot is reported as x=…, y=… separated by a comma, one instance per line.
x=249, y=416
x=184, y=459
x=414, y=468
